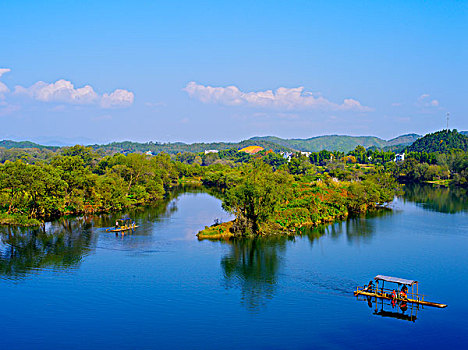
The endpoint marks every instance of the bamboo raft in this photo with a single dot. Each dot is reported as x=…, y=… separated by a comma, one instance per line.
x=125, y=225
x=383, y=293
x=123, y=228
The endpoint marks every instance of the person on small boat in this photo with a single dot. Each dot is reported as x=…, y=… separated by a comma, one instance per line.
x=116, y=225
x=394, y=298
x=369, y=287
x=403, y=293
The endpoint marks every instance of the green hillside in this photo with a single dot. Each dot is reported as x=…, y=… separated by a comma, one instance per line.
x=441, y=141
x=341, y=143
x=174, y=148
x=407, y=139
x=8, y=144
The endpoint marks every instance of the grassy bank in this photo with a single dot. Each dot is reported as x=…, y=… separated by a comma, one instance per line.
x=18, y=219
x=219, y=231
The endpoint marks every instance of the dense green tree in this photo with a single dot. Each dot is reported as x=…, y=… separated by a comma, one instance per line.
x=257, y=197
x=274, y=160
x=299, y=165
x=360, y=154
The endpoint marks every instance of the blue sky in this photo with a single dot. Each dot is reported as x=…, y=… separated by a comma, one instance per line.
x=217, y=70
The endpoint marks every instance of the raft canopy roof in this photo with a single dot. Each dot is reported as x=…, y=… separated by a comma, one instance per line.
x=395, y=280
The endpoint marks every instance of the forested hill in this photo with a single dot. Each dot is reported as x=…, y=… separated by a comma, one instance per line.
x=24, y=144
x=341, y=143
x=407, y=139
x=315, y=144
x=441, y=141
x=176, y=147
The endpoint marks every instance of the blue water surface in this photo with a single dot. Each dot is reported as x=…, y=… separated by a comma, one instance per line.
x=77, y=286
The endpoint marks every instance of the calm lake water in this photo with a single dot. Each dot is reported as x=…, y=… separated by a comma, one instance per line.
x=79, y=287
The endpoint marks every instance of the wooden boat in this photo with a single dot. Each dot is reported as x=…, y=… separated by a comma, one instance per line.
x=124, y=225
x=384, y=293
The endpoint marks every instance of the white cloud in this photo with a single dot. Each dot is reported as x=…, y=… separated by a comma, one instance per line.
x=4, y=70
x=118, y=98
x=425, y=100
x=281, y=98
x=3, y=88
x=60, y=91
x=64, y=91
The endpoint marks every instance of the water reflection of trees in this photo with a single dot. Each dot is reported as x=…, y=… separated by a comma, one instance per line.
x=60, y=246
x=362, y=228
x=438, y=198
x=253, y=265
x=64, y=243
x=356, y=228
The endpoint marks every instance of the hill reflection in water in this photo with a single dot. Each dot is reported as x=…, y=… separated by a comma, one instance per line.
x=441, y=199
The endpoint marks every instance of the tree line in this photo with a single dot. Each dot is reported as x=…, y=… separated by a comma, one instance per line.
x=262, y=190
x=77, y=180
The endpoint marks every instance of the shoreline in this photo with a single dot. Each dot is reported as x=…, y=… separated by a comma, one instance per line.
x=23, y=220
x=223, y=231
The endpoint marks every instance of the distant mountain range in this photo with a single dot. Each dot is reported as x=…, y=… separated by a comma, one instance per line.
x=176, y=147
x=315, y=144
x=62, y=141
x=341, y=143
x=23, y=144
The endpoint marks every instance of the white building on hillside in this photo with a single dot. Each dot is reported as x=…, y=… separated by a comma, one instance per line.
x=207, y=151
x=399, y=157
x=287, y=155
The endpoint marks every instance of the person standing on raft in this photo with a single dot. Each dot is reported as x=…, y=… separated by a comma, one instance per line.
x=403, y=293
